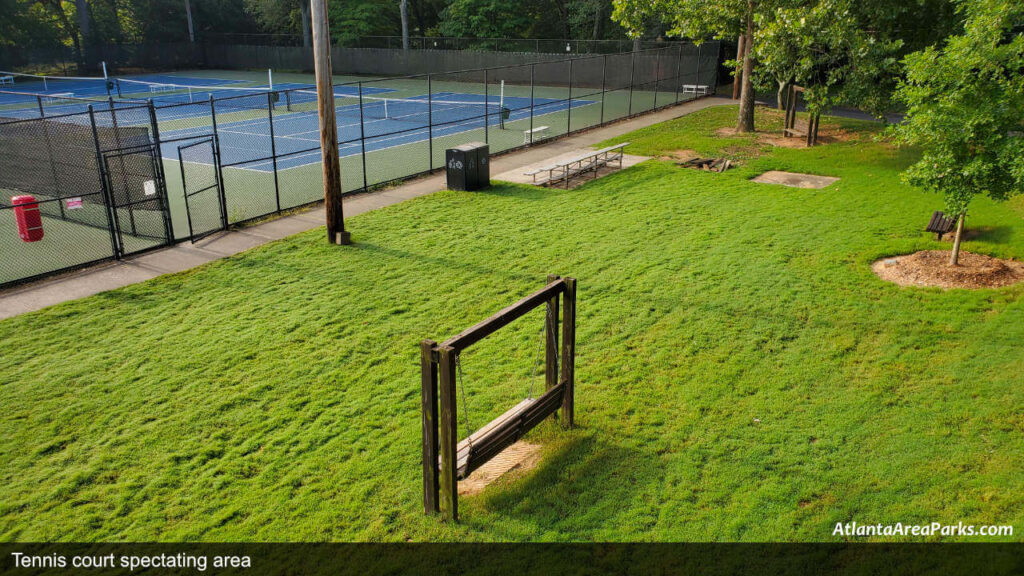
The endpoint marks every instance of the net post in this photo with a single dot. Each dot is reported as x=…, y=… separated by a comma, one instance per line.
x=362, y=136
x=430, y=122
x=273, y=147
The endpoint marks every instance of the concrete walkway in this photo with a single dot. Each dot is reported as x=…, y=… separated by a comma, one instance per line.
x=111, y=275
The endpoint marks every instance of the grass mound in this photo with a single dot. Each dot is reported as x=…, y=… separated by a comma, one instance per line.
x=742, y=374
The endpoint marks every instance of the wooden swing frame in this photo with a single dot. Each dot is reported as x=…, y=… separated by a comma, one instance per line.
x=445, y=459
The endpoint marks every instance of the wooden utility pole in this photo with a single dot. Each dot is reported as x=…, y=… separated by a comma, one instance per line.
x=328, y=126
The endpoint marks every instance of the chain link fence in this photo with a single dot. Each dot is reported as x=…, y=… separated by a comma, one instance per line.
x=120, y=178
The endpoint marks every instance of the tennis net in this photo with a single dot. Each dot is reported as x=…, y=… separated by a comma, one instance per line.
x=421, y=111
x=41, y=83
x=182, y=93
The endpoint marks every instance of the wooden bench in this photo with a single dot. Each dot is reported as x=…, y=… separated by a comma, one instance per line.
x=537, y=133
x=696, y=89
x=565, y=171
x=6, y=80
x=940, y=224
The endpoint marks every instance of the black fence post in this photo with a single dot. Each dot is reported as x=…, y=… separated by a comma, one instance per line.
x=568, y=112
x=679, y=62
x=430, y=121
x=273, y=148
x=160, y=176
x=604, y=84
x=657, y=78
x=487, y=110
x=533, y=68
x=108, y=201
x=42, y=111
x=632, y=71
x=220, y=170
x=362, y=136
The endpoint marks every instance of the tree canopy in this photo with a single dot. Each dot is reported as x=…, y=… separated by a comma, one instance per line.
x=965, y=109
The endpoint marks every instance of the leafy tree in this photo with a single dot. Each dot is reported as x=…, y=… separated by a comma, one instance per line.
x=283, y=17
x=965, y=110
x=489, y=18
x=834, y=50
x=697, y=19
x=351, y=19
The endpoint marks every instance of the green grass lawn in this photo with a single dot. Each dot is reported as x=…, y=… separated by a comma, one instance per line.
x=741, y=373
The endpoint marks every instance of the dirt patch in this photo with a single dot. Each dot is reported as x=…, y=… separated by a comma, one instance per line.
x=795, y=179
x=519, y=457
x=931, y=268
x=681, y=155
x=827, y=134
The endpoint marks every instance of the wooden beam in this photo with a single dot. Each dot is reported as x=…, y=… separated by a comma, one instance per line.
x=328, y=126
x=569, y=352
x=503, y=318
x=551, y=339
x=431, y=469
x=449, y=435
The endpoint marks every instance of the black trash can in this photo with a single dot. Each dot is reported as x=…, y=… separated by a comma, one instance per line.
x=468, y=166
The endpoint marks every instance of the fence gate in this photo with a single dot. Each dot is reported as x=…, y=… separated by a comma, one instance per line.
x=204, y=194
x=137, y=199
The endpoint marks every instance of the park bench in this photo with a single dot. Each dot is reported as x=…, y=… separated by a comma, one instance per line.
x=568, y=169
x=535, y=134
x=940, y=224
x=695, y=89
x=6, y=80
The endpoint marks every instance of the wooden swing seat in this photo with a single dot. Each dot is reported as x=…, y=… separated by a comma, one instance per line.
x=505, y=430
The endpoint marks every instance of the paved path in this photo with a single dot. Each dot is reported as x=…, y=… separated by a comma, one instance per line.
x=111, y=275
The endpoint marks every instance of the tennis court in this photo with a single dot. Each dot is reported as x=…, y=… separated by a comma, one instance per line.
x=386, y=123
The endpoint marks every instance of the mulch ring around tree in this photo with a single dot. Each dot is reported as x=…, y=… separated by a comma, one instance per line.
x=932, y=268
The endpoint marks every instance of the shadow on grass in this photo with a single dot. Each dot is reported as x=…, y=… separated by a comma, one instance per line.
x=584, y=483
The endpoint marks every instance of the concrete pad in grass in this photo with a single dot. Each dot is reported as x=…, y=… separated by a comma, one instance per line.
x=794, y=179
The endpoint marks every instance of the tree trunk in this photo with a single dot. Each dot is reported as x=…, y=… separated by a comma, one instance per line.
x=740, y=46
x=636, y=44
x=307, y=34
x=780, y=96
x=188, y=17
x=597, y=21
x=84, y=32
x=954, y=259
x=404, y=7
x=745, y=120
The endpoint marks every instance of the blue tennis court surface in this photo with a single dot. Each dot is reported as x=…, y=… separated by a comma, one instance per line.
x=297, y=136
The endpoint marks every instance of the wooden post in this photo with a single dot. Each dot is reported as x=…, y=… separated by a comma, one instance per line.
x=569, y=352
x=551, y=339
x=449, y=435
x=736, y=78
x=431, y=471
x=328, y=126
